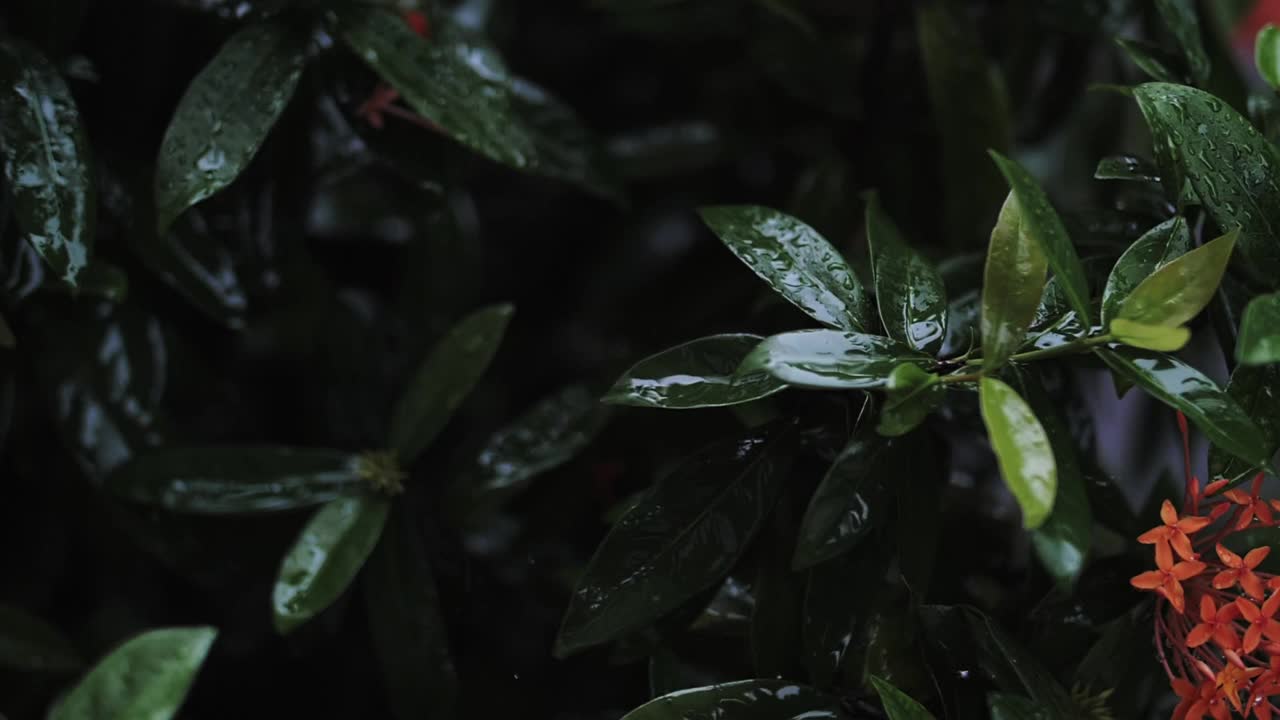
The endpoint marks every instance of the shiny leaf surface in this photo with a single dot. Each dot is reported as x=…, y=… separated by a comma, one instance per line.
x=911, y=394
x=909, y=291
x=697, y=374
x=1012, y=284
x=1257, y=391
x=830, y=359
x=797, y=262
x=28, y=643
x=1259, y=340
x=1022, y=449
x=1126, y=167
x=897, y=704
x=834, y=607
x=1178, y=290
x=1266, y=55
x=743, y=700
x=325, y=558
x=849, y=502
x=1156, y=248
x=1149, y=337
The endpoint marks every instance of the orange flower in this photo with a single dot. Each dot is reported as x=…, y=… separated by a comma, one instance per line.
x=1230, y=679
x=1168, y=579
x=1261, y=621
x=1241, y=571
x=1173, y=534
x=1216, y=623
x=1197, y=701
x=1252, y=506
x=1267, y=685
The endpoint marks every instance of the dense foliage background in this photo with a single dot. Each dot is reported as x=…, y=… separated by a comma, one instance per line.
x=265, y=257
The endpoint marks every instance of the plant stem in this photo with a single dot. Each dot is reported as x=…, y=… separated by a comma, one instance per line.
x=1064, y=349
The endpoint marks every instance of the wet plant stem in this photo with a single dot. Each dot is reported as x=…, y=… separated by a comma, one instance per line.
x=1071, y=348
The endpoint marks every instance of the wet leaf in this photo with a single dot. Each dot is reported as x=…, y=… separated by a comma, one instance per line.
x=47, y=162
x=1149, y=337
x=1184, y=388
x=230, y=480
x=744, y=700
x=697, y=374
x=459, y=85
x=146, y=677
x=830, y=359
x=1041, y=223
x=1150, y=59
x=1126, y=167
x=1022, y=448
x=1231, y=167
x=225, y=115
x=834, y=607
x=1180, y=16
x=1259, y=341
x=1257, y=391
x=797, y=262
x=1178, y=290
x=682, y=538
x=1012, y=284
x=1266, y=55
x=564, y=148
x=1156, y=248
x=325, y=558
x=29, y=644
x=909, y=290
x=445, y=378
x=911, y=394
x=897, y=705
x=849, y=502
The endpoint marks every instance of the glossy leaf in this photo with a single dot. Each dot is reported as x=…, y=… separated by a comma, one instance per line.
x=1149, y=337
x=1259, y=340
x=680, y=539
x=834, y=608
x=29, y=644
x=1012, y=284
x=225, y=115
x=460, y=86
x=146, y=677
x=1184, y=388
x=797, y=262
x=47, y=164
x=909, y=291
x=1126, y=167
x=1266, y=55
x=1156, y=248
x=1180, y=16
x=830, y=359
x=1041, y=223
x=697, y=374
x=228, y=480
x=1148, y=58
x=1257, y=391
x=1231, y=167
x=563, y=147
x=445, y=378
x=1178, y=290
x=897, y=704
x=1022, y=449
x=325, y=558
x=911, y=394
x=848, y=503
x=743, y=700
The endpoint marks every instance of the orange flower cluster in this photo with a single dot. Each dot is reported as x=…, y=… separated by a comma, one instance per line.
x=1217, y=632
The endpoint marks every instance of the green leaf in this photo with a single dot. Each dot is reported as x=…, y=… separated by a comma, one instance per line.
x=47, y=162
x=834, y=608
x=1148, y=58
x=911, y=394
x=1259, y=341
x=1180, y=16
x=146, y=677
x=681, y=539
x=1126, y=167
x=1178, y=290
x=29, y=644
x=225, y=115
x=230, y=480
x=830, y=359
x=445, y=378
x=778, y=591
x=1012, y=284
x=897, y=705
x=797, y=262
x=698, y=374
x=1040, y=221
x=459, y=85
x=743, y=700
x=1184, y=388
x=564, y=149
x=1014, y=707
x=1156, y=248
x=1257, y=391
x=1230, y=165
x=909, y=291
x=1149, y=337
x=405, y=626
x=1022, y=449
x=849, y=502
x=1266, y=54
x=325, y=558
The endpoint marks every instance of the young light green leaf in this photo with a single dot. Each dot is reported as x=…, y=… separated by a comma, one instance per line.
x=698, y=374
x=1177, y=292
x=897, y=704
x=1148, y=58
x=47, y=162
x=830, y=359
x=1012, y=284
x=225, y=115
x=1126, y=167
x=445, y=378
x=1040, y=221
x=1266, y=54
x=745, y=699
x=849, y=502
x=909, y=291
x=146, y=677
x=29, y=644
x=797, y=262
x=1259, y=341
x=1180, y=16
x=1022, y=450
x=911, y=394
x=1230, y=165
x=1156, y=248
x=1256, y=388
x=1149, y=337
x=325, y=558
x=1184, y=388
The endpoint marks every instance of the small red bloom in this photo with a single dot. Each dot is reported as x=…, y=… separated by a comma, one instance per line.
x=418, y=22
x=1241, y=571
x=1251, y=505
x=1261, y=621
x=1199, y=701
x=1173, y=534
x=1168, y=579
x=1266, y=685
x=1216, y=623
